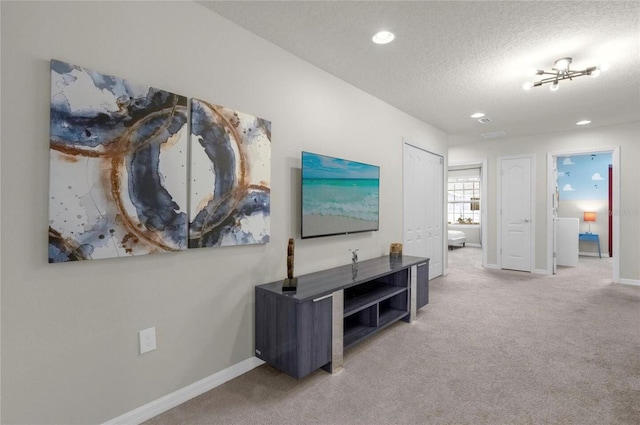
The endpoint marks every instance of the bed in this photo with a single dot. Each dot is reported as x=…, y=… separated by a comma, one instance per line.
x=456, y=238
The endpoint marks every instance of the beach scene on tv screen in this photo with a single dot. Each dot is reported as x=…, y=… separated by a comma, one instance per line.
x=338, y=196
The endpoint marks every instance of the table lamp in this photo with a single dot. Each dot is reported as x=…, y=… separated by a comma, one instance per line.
x=589, y=216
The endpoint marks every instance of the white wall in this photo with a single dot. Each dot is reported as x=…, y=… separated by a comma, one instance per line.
x=626, y=136
x=70, y=331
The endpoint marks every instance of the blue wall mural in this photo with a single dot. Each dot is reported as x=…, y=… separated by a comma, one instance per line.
x=584, y=177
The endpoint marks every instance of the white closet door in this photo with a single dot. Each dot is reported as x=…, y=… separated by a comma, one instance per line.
x=424, y=207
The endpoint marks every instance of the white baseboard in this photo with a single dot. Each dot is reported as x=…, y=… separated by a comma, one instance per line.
x=633, y=282
x=473, y=245
x=594, y=254
x=161, y=405
x=535, y=271
x=541, y=271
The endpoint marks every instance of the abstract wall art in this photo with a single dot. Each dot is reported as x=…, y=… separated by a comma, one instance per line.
x=229, y=177
x=118, y=167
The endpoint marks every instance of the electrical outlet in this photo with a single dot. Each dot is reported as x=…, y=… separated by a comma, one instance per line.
x=147, y=340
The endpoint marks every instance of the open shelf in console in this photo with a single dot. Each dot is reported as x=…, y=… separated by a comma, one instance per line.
x=392, y=309
x=371, y=306
x=360, y=325
x=367, y=294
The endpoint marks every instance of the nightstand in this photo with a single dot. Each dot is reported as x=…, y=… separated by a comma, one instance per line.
x=591, y=237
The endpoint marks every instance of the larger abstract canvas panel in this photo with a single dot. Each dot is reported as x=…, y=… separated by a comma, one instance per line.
x=230, y=193
x=118, y=154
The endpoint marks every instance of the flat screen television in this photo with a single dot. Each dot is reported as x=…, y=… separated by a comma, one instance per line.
x=338, y=196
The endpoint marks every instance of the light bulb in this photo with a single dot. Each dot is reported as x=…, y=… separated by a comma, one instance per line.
x=603, y=67
x=583, y=122
x=595, y=73
x=477, y=115
x=531, y=72
x=555, y=86
x=527, y=85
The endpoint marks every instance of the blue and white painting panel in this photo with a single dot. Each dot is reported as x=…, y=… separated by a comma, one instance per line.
x=230, y=191
x=118, y=154
x=584, y=177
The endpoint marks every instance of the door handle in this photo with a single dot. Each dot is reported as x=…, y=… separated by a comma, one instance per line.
x=526, y=220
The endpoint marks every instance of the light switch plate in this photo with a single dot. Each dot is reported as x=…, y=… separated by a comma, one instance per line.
x=147, y=340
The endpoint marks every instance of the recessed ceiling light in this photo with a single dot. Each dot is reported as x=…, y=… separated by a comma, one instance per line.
x=477, y=115
x=583, y=122
x=383, y=37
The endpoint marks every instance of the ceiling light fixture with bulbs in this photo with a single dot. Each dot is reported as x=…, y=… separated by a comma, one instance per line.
x=561, y=71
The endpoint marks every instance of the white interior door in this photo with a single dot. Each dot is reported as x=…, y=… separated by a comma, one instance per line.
x=424, y=207
x=415, y=241
x=554, y=214
x=516, y=216
x=566, y=242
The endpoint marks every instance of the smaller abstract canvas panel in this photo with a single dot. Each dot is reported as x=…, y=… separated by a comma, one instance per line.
x=230, y=192
x=118, y=154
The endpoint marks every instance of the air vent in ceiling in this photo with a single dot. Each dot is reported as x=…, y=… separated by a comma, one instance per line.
x=484, y=120
x=493, y=135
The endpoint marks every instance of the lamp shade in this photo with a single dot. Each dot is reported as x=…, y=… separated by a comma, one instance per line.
x=589, y=216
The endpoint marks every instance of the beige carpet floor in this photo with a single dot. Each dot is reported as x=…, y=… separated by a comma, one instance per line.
x=492, y=347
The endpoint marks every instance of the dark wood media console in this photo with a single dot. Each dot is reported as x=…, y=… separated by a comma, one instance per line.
x=299, y=332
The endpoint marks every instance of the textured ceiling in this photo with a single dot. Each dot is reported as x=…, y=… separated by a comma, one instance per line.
x=453, y=58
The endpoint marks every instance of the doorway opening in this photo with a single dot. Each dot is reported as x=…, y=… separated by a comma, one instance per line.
x=587, y=198
x=466, y=205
